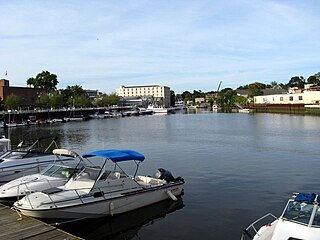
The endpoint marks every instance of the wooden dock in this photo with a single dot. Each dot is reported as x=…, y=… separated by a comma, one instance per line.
x=13, y=227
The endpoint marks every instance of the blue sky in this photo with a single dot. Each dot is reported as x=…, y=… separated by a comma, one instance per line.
x=184, y=44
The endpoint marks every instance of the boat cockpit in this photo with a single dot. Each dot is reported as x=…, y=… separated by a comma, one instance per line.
x=303, y=209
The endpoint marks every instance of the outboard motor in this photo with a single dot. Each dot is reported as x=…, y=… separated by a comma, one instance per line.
x=166, y=175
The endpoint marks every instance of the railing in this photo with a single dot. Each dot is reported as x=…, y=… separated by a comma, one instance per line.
x=252, y=228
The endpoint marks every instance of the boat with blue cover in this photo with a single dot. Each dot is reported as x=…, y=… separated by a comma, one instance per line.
x=102, y=191
x=300, y=220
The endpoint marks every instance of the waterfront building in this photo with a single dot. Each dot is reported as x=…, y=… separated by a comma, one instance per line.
x=28, y=95
x=308, y=96
x=154, y=93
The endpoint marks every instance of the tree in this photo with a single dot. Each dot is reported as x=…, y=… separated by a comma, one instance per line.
x=297, y=82
x=45, y=80
x=12, y=101
x=187, y=96
x=314, y=79
x=226, y=98
x=56, y=99
x=44, y=101
x=172, y=98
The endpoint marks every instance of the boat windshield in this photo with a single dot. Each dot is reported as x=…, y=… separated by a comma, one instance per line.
x=301, y=212
x=58, y=171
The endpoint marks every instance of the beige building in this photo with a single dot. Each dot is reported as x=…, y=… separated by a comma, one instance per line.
x=156, y=93
x=294, y=96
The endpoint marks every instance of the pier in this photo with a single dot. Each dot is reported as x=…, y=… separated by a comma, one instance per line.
x=12, y=227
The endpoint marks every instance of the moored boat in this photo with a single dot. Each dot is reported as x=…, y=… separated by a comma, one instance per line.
x=160, y=109
x=97, y=191
x=54, y=175
x=299, y=220
x=29, y=159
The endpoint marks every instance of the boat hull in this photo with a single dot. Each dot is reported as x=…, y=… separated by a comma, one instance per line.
x=104, y=205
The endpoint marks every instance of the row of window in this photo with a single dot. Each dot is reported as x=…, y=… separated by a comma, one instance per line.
x=282, y=99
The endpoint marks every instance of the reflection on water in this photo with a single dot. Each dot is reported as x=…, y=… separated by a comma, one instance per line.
x=124, y=226
x=237, y=167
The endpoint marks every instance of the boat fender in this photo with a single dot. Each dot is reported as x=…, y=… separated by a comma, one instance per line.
x=170, y=194
x=111, y=206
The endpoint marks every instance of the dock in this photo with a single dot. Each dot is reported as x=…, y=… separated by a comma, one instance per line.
x=13, y=227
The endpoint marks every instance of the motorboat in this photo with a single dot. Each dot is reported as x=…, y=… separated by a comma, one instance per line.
x=144, y=111
x=54, y=175
x=98, y=191
x=299, y=220
x=160, y=109
x=29, y=158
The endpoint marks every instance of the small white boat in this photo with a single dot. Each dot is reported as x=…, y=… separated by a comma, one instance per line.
x=54, y=175
x=299, y=220
x=180, y=105
x=96, y=192
x=144, y=111
x=160, y=109
x=29, y=160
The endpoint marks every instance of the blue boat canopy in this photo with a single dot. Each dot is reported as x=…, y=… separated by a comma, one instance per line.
x=306, y=197
x=117, y=155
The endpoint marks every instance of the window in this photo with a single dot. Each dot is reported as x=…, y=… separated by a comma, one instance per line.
x=291, y=98
x=281, y=99
x=300, y=98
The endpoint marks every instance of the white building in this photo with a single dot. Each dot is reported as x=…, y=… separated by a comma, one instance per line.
x=157, y=93
x=294, y=96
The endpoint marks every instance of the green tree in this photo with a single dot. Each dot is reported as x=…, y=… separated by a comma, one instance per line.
x=226, y=98
x=12, y=102
x=45, y=79
x=172, y=98
x=56, y=99
x=297, y=82
x=186, y=96
x=71, y=92
x=44, y=101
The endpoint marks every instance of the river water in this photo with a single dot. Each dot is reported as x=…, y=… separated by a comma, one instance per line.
x=237, y=167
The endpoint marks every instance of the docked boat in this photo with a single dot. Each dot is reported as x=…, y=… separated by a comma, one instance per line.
x=29, y=159
x=97, y=191
x=54, y=175
x=160, y=109
x=144, y=111
x=299, y=220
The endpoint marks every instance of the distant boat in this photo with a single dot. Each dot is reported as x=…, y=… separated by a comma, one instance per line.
x=160, y=109
x=180, y=105
x=144, y=111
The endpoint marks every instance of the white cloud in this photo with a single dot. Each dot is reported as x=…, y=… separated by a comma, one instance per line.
x=183, y=44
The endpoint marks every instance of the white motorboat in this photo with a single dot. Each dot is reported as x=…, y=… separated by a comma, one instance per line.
x=29, y=160
x=144, y=111
x=54, y=175
x=299, y=220
x=97, y=192
x=160, y=109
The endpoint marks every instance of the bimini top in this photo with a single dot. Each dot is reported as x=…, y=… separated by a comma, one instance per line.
x=307, y=197
x=117, y=155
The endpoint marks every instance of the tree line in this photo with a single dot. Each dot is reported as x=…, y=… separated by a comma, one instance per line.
x=71, y=96
x=228, y=97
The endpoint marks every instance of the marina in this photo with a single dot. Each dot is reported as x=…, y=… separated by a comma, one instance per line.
x=237, y=167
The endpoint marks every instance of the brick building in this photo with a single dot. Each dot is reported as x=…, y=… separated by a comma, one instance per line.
x=28, y=95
